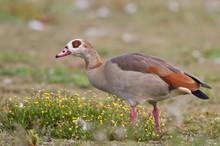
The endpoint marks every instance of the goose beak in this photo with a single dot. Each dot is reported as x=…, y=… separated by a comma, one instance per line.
x=63, y=53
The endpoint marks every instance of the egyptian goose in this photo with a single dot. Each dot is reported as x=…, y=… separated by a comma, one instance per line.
x=135, y=77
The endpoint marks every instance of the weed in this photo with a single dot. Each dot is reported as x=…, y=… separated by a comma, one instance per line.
x=56, y=114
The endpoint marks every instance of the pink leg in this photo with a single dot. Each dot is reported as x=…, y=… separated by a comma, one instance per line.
x=133, y=115
x=157, y=118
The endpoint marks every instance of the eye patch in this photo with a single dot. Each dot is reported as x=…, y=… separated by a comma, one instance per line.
x=76, y=43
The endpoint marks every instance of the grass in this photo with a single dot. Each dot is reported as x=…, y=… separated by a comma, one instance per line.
x=58, y=116
x=55, y=114
x=15, y=57
x=59, y=75
x=24, y=69
x=187, y=37
x=12, y=11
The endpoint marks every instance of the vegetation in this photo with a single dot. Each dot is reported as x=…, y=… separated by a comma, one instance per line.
x=185, y=33
x=61, y=115
x=57, y=114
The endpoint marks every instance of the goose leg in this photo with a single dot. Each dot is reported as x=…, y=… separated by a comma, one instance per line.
x=157, y=118
x=133, y=115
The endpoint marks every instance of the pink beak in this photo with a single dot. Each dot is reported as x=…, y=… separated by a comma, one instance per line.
x=63, y=53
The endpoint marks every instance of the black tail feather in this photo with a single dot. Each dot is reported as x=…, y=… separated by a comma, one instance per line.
x=197, y=80
x=200, y=94
x=206, y=86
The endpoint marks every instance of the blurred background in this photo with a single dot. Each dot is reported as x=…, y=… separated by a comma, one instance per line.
x=185, y=33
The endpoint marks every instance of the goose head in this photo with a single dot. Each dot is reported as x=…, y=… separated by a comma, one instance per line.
x=83, y=49
x=76, y=47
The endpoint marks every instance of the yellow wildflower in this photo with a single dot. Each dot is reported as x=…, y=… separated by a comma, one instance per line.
x=36, y=102
x=26, y=101
x=47, y=97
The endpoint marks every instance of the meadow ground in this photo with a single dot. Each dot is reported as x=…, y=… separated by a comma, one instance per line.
x=185, y=33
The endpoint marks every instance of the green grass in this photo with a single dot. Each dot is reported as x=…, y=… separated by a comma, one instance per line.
x=16, y=57
x=198, y=129
x=20, y=65
x=60, y=75
x=212, y=52
x=21, y=72
x=68, y=76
